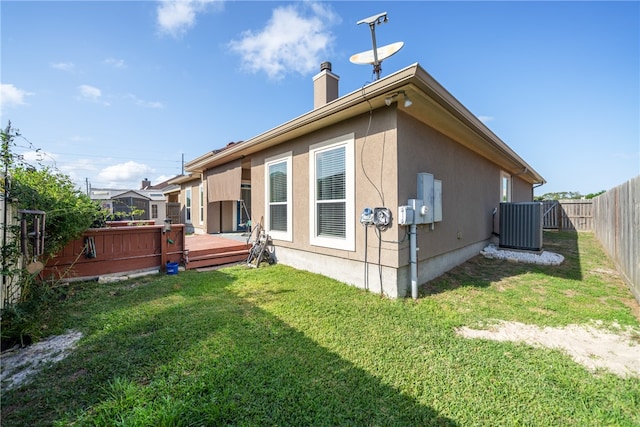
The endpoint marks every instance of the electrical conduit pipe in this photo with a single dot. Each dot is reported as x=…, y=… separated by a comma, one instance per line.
x=413, y=259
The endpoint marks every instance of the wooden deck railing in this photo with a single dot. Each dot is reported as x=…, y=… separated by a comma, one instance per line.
x=117, y=250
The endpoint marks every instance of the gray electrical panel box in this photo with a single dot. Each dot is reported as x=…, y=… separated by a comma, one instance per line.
x=430, y=192
x=437, y=200
x=425, y=193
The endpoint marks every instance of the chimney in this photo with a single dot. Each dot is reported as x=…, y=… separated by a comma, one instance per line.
x=325, y=86
x=145, y=184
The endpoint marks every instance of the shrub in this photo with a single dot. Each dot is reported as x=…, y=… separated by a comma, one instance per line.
x=68, y=212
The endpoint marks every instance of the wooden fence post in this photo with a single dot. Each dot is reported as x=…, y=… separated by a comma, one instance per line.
x=163, y=249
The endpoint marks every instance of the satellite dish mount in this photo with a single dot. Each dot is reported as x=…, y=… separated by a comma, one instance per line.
x=375, y=56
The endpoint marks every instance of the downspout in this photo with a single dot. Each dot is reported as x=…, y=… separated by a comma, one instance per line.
x=413, y=259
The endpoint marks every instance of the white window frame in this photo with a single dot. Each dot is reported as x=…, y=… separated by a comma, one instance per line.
x=347, y=243
x=278, y=234
x=187, y=205
x=201, y=203
x=505, y=187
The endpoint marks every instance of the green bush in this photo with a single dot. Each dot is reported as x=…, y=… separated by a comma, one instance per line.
x=68, y=212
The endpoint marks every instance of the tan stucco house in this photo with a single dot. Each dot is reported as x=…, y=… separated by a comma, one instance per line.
x=310, y=180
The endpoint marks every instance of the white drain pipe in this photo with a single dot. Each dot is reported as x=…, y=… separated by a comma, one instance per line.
x=413, y=258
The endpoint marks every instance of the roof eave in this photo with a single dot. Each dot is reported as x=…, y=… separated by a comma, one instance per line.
x=352, y=104
x=414, y=79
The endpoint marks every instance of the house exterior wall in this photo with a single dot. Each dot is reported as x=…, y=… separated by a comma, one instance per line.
x=195, y=223
x=389, y=151
x=470, y=188
x=521, y=190
x=470, y=191
x=375, y=160
x=213, y=217
x=220, y=217
x=381, y=137
x=161, y=207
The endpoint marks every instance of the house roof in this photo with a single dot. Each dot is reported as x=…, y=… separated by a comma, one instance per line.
x=160, y=186
x=112, y=193
x=432, y=104
x=172, y=188
x=181, y=179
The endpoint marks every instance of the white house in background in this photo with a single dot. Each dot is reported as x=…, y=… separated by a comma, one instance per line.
x=150, y=199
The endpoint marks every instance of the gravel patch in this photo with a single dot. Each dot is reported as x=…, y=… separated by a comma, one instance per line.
x=19, y=365
x=543, y=258
x=589, y=346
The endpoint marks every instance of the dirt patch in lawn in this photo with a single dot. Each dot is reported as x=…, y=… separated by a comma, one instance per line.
x=590, y=346
x=18, y=365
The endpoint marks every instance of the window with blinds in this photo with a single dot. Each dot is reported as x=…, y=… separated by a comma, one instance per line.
x=331, y=192
x=332, y=189
x=278, y=197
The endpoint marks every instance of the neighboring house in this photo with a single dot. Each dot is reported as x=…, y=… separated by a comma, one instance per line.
x=310, y=180
x=151, y=200
x=224, y=207
x=171, y=193
x=173, y=206
x=187, y=191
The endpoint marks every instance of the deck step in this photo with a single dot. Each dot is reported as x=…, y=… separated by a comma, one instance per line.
x=217, y=258
x=223, y=250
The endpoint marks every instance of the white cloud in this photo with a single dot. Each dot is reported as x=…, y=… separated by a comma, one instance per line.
x=11, y=96
x=161, y=178
x=123, y=172
x=175, y=17
x=91, y=93
x=295, y=39
x=485, y=119
x=38, y=156
x=78, y=170
x=63, y=66
x=79, y=165
x=143, y=103
x=115, y=63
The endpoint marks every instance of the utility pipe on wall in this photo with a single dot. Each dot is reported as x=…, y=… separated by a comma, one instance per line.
x=413, y=259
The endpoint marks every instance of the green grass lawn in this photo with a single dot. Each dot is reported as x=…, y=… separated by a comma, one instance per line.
x=277, y=346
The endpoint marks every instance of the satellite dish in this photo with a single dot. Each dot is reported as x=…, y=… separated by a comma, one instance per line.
x=376, y=55
x=365, y=58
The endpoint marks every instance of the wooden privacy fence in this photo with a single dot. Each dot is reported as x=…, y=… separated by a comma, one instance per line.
x=617, y=227
x=117, y=250
x=570, y=215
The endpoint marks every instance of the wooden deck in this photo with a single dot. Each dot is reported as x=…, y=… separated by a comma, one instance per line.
x=208, y=250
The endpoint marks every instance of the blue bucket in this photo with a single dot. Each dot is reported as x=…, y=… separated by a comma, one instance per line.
x=172, y=268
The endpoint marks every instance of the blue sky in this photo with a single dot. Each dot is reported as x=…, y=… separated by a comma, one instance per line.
x=117, y=91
